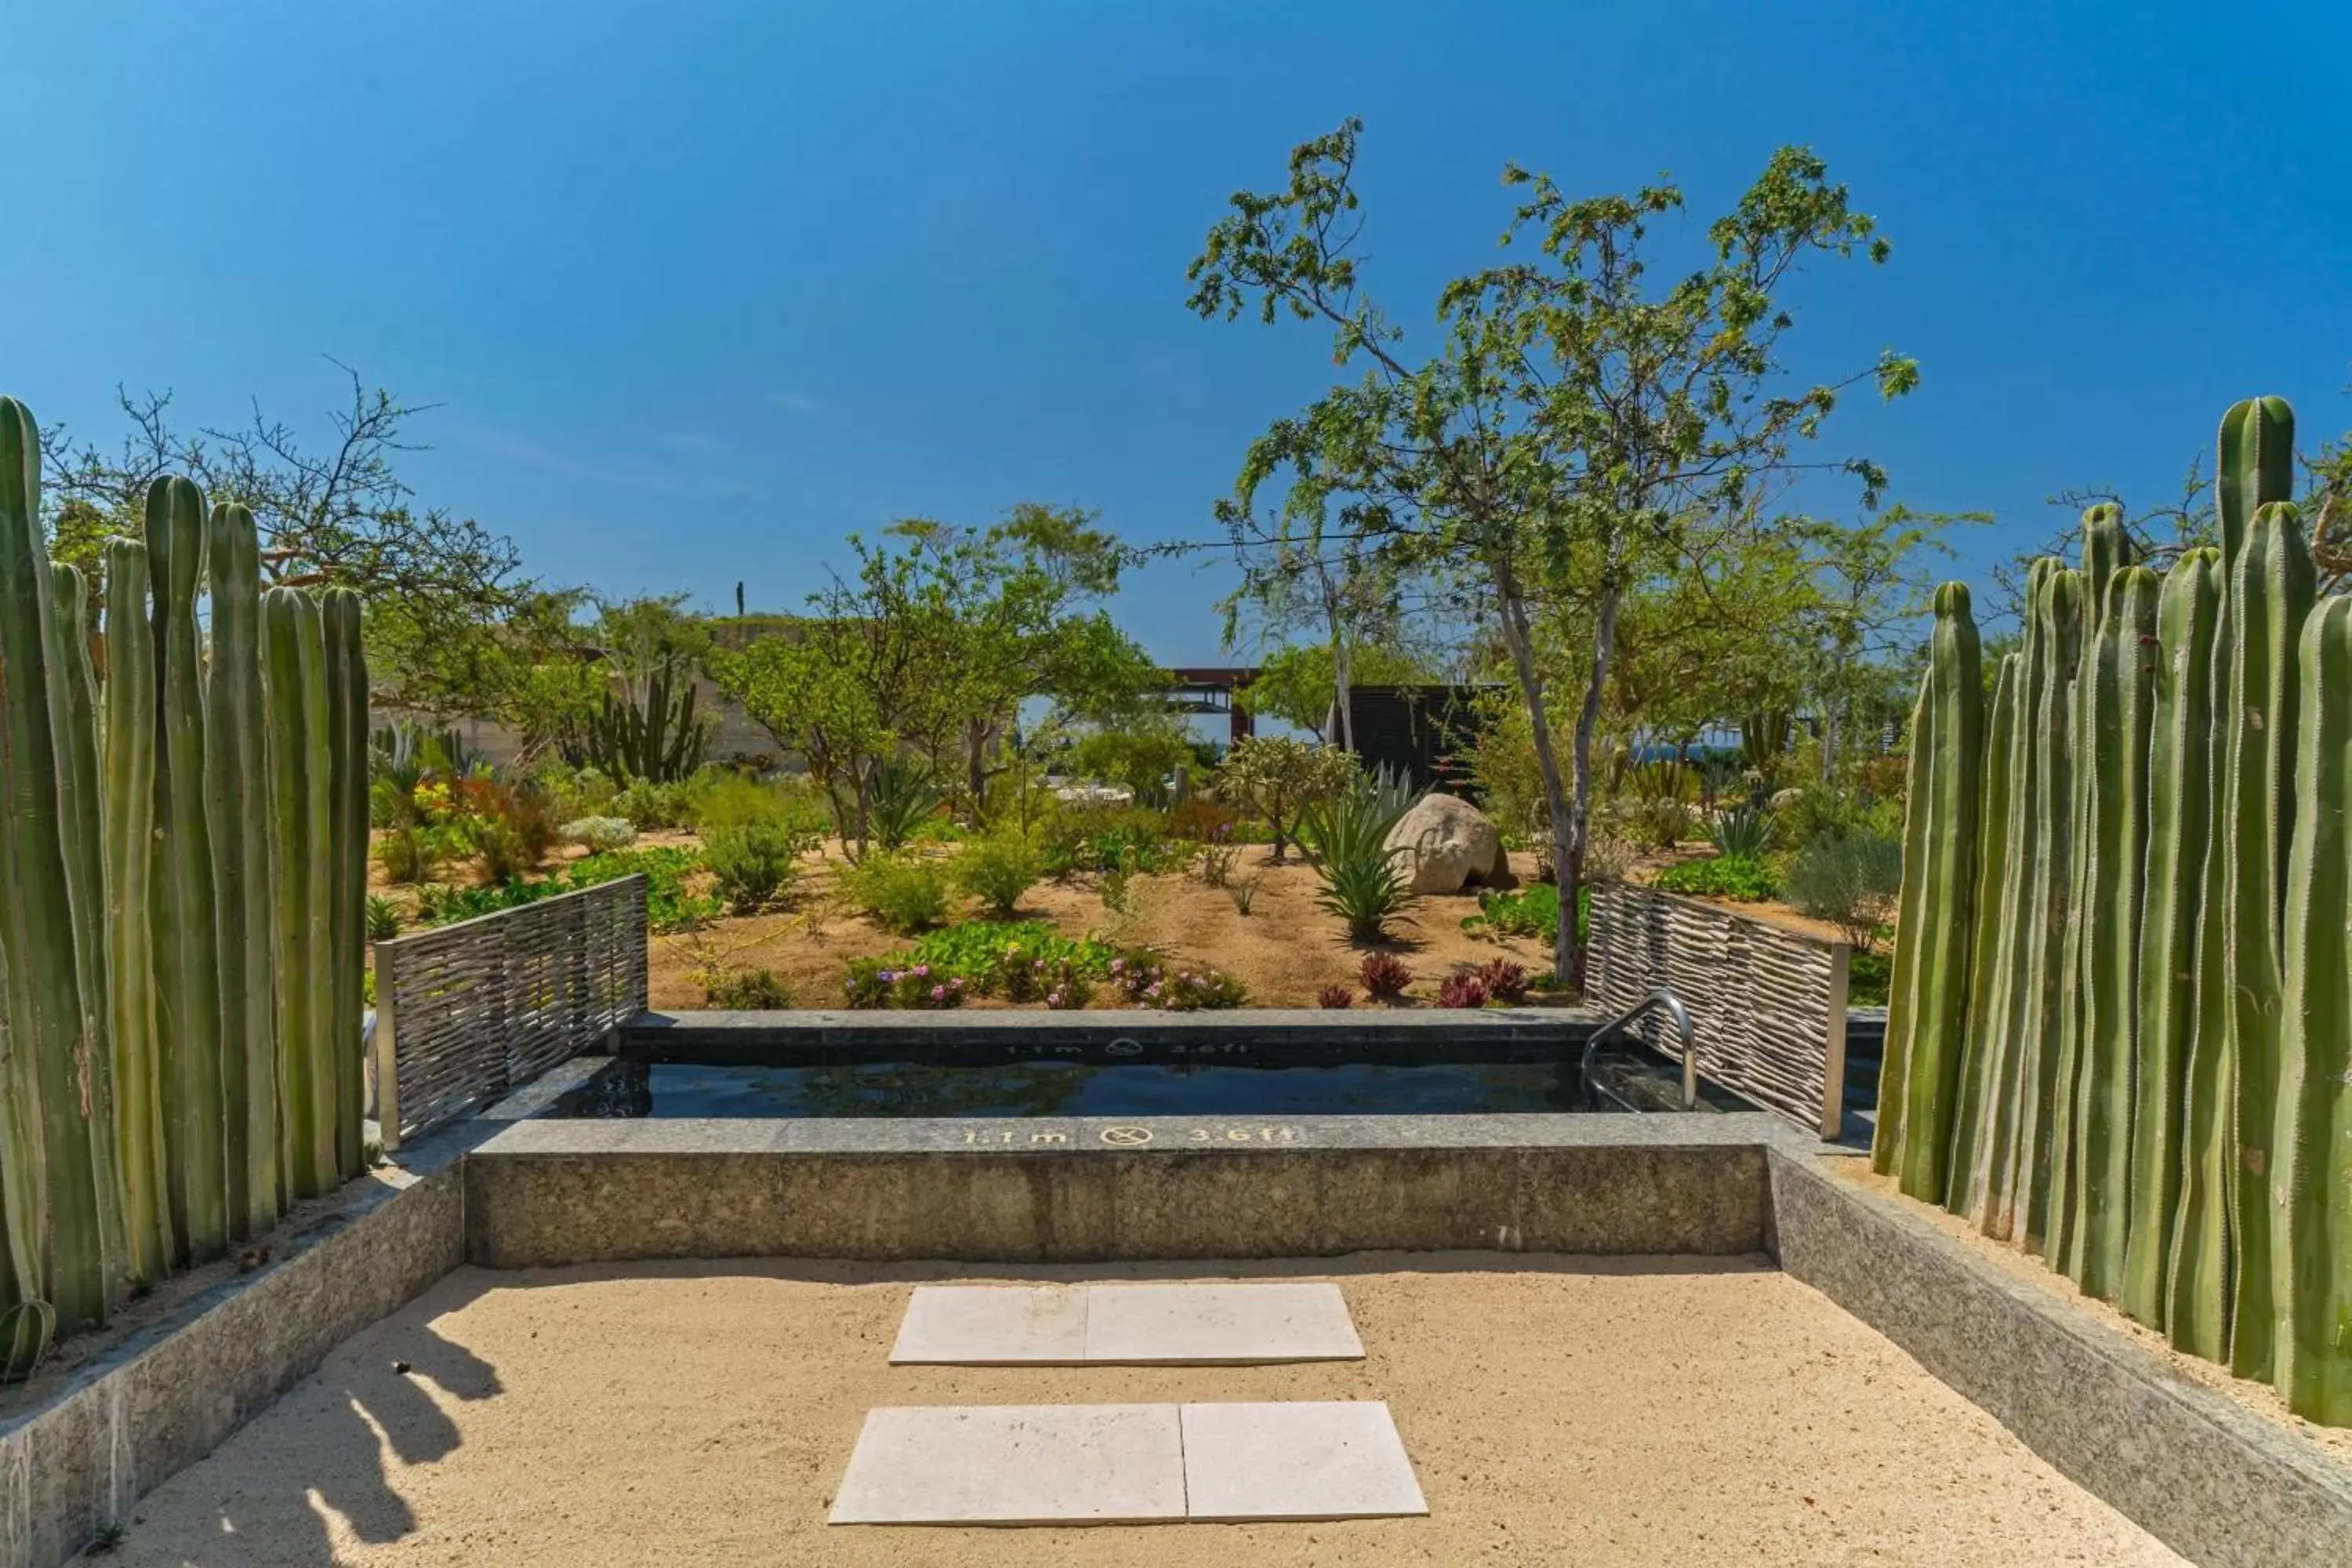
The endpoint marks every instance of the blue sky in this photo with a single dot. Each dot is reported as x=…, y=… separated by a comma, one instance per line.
x=701, y=287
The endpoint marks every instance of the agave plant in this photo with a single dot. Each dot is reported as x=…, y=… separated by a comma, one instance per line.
x=1745, y=831
x=1365, y=882
x=900, y=797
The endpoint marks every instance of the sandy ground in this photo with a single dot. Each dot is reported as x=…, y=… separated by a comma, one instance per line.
x=1557, y=1411
x=2030, y=1270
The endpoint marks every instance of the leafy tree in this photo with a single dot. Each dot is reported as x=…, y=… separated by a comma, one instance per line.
x=1139, y=753
x=1574, y=416
x=1298, y=683
x=1277, y=776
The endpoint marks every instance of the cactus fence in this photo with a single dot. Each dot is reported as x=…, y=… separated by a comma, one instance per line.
x=1768, y=1004
x=464, y=1012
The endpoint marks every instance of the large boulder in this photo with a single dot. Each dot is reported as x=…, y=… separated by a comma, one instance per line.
x=1448, y=842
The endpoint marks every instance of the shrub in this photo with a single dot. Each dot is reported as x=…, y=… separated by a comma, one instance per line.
x=1741, y=877
x=901, y=892
x=1365, y=882
x=1462, y=988
x=649, y=805
x=1197, y=819
x=1091, y=840
x=747, y=991
x=755, y=863
x=1385, y=976
x=900, y=797
x=600, y=834
x=1335, y=997
x=1531, y=910
x=1021, y=959
x=1656, y=821
x=668, y=905
x=405, y=853
x=1244, y=894
x=1218, y=853
x=1606, y=858
x=1067, y=988
x=1147, y=981
x=1278, y=776
x=382, y=919
x=1850, y=880
x=1868, y=976
x=1503, y=980
x=872, y=983
x=1744, y=832
x=997, y=869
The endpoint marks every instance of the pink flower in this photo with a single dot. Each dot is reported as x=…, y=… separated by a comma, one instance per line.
x=1053, y=998
x=1117, y=965
x=939, y=993
x=922, y=971
x=1152, y=989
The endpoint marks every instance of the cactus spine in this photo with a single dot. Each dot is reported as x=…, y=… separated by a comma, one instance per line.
x=2121, y=706
x=48, y=1018
x=2271, y=593
x=129, y=861
x=237, y=807
x=1929, y=996
x=1985, y=1040
x=187, y=959
x=2180, y=733
x=2311, y=1172
x=345, y=766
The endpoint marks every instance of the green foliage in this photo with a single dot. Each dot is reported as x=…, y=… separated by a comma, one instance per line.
x=997, y=869
x=876, y=982
x=1278, y=777
x=1298, y=682
x=1148, y=981
x=1096, y=840
x=900, y=892
x=670, y=906
x=747, y=990
x=406, y=854
x=599, y=835
x=1743, y=878
x=648, y=805
x=1867, y=977
x=1142, y=754
x=1654, y=822
x=754, y=864
x=651, y=734
x=1849, y=879
x=382, y=919
x=1531, y=910
x=901, y=798
x=1365, y=882
x=1744, y=830
x=1023, y=961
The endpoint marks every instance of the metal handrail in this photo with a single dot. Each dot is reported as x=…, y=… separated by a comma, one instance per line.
x=1663, y=997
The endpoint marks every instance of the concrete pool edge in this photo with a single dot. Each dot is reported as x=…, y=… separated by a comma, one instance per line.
x=2210, y=1477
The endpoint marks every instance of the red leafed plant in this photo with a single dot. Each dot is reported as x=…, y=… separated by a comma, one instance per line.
x=1385, y=976
x=1335, y=997
x=1505, y=981
x=1462, y=988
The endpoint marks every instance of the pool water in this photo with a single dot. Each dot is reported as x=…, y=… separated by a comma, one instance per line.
x=1051, y=1086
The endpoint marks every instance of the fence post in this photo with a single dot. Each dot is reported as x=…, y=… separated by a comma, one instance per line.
x=387, y=1051
x=1833, y=1063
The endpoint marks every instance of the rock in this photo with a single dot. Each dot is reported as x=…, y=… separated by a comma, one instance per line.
x=1450, y=843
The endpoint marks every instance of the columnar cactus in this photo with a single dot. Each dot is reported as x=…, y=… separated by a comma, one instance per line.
x=187, y=952
x=2270, y=590
x=2310, y=1185
x=1929, y=996
x=2121, y=705
x=297, y=695
x=2059, y=617
x=74, y=1207
x=1985, y=1042
x=129, y=854
x=345, y=766
x=2179, y=735
x=237, y=807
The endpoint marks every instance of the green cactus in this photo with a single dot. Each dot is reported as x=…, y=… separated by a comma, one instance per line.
x=2061, y=620
x=2271, y=593
x=2005, y=1014
x=2115, y=749
x=2310, y=1185
x=659, y=739
x=2257, y=467
x=1928, y=996
x=69, y=1181
x=296, y=694
x=128, y=859
x=187, y=956
x=236, y=808
x=2180, y=734
x=1986, y=1041
x=345, y=766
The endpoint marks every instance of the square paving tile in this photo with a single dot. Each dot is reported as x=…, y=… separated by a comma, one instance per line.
x=1214, y=1325
x=1296, y=1460
x=1015, y=1464
x=986, y=1325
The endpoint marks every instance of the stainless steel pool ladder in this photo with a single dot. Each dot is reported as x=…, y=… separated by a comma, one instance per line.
x=1663, y=997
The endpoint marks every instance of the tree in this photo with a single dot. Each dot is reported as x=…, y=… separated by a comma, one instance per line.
x=1573, y=420
x=1277, y=775
x=436, y=585
x=1298, y=682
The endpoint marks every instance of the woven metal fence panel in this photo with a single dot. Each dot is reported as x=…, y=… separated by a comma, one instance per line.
x=465, y=1012
x=1768, y=1004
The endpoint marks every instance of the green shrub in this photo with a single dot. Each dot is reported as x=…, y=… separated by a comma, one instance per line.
x=1021, y=960
x=649, y=805
x=1743, y=832
x=902, y=893
x=874, y=983
x=1867, y=978
x=1150, y=980
x=902, y=796
x=601, y=835
x=1743, y=878
x=1655, y=822
x=1531, y=910
x=747, y=991
x=1850, y=880
x=754, y=863
x=1365, y=882
x=382, y=919
x=405, y=853
x=1091, y=840
x=997, y=869
x=668, y=905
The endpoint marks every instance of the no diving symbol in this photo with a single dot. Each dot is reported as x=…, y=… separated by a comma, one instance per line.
x=1127, y=1137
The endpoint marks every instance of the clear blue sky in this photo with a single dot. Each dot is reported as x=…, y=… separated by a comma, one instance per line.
x=704, y=285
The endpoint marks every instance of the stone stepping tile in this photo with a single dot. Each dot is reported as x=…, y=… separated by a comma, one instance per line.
x=1296, y=1460
x=1015, y=1464
x=1127, y=1463
x=1131, y=1325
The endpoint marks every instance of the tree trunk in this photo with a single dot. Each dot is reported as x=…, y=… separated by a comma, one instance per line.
x=1588, y=716
x=1565, y=818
